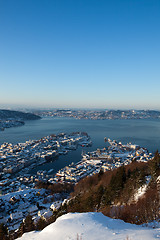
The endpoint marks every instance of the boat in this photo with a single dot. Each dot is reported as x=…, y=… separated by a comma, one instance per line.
x=51, y=170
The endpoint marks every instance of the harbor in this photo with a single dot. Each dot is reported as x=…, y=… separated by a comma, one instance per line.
x=20, y=193
x=108, y=158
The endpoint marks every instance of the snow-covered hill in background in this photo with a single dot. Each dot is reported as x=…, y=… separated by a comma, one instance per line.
x=92, y=226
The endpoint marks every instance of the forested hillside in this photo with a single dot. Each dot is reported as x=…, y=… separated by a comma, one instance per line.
x=130, y=193
x=8, y=114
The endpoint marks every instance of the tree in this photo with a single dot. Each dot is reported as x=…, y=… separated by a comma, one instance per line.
x=21, y=229
x=3, y=232
x=155, y=165
x=29, y=224
x=99, y=194
x=118, y=180
x=100, y=173
x=40, y=224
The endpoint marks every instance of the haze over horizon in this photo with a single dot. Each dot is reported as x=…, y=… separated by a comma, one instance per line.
x=80, y=54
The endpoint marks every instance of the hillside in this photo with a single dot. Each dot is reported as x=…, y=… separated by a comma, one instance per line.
x=17, y=115
x=91, y=226
x=130, y=193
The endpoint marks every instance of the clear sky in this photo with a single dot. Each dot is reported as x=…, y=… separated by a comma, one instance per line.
x=80, y=53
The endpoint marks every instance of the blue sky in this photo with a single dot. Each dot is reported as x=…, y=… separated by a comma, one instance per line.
x=83, y=53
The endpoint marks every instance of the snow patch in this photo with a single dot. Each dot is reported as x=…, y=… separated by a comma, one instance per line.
x=94, y=226
x=140, y=192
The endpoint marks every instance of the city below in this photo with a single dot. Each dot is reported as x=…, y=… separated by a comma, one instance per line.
x=20, y=192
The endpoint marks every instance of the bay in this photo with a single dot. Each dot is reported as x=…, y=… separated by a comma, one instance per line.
x=145, y=133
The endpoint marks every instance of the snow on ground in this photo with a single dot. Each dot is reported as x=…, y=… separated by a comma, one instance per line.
x=92, y=226
x=140, y=192
x=22, y=193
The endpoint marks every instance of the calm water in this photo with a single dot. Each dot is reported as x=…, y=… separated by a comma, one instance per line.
x=143, y=132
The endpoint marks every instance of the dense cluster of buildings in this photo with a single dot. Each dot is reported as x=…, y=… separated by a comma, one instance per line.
x=17, y=160
x=101, y=114
x=39, y=203
x=17, y=186
x=18, y=193
x=113, y=156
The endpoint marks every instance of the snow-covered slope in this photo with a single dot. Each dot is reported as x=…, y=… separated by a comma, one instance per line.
x=92, y=226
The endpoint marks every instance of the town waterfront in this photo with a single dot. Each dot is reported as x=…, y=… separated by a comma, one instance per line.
x=145, y=133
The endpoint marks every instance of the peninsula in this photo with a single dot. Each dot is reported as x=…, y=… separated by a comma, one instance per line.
x=10, y=118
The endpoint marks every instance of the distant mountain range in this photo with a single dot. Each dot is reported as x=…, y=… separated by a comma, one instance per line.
x=17, y=115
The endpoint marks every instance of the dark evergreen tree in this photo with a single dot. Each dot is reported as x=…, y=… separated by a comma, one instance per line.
x=40, y=224
x=117, y=181
x=155, y=165
x=107, y=197
x=21, y=229
x=99, y=195
x=100, y=173
x=89, y=203
x=3, y=232
x=29, y=224
x=128, y=173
